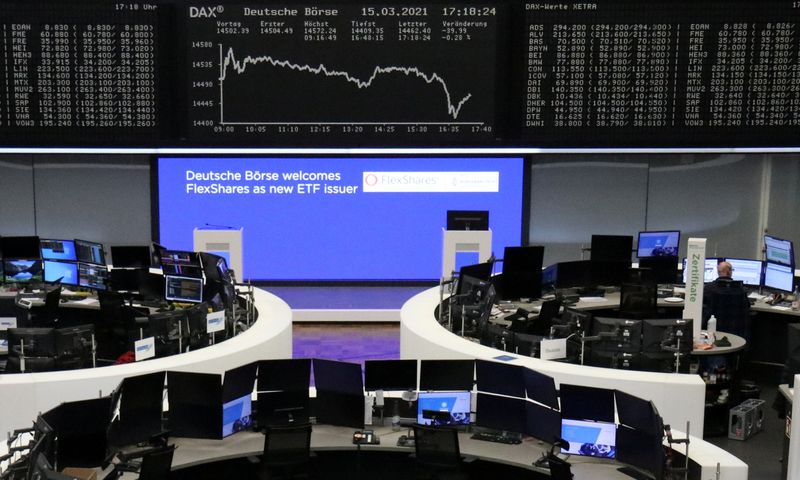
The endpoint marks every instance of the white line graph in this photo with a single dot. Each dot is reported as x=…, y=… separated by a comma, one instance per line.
x=228, y=61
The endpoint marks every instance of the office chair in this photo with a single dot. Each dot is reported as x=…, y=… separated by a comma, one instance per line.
x=728, y=303
x=287, y=451
x=559, y=469
x=638, y=300
x=46, y=316
x=548, y=312
x=119, y=322
x=437, y=452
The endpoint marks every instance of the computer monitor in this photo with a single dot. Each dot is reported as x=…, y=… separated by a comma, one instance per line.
x=778, y=277
x=180, y=262
x=540, y=388
x=479, y=271
x=138, y=402
x=92, y=276
x=283, y=407
x=658, y=244
x=170, y=330
x=665, y=269
x=593, y=439
x=779, y=250
x=666, y=335
x=215, y=267
x=237, y=415
x=58, y=250
x=587, y=403
x=443, y=408
x=746, y=271
x=390, y=375
x=612, y=248
x=542, y=422
x=641, y=449
x=65, y=272
x=338, y=377
x=568, y=274
x=500, y=413
x=74, y=346
x=130, y=256
x=468, y=220
x=183, y=289
x=291, y=374
x=709, y=269
x=446, y=375
x=636, y=412
x=16, y=270
x=239, y=381
x=90, y=252
x=20, y=247
x=195, y=404
x=618, y=334
x=500, y=378
x=522, y=272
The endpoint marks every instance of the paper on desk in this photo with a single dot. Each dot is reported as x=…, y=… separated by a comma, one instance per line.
x=593, y=299
x=755, y=296
x=86, y=301
x=782, y=309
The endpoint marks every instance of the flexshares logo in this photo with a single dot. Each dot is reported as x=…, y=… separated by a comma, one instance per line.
x=144, y=348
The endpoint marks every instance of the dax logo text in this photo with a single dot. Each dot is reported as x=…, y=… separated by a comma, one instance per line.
x=205, y=12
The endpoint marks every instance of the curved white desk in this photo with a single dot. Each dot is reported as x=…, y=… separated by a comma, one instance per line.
x=24, y=395
x=678, y=397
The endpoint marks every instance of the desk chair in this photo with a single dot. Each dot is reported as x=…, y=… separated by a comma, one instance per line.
x=287, y=451
x=45, y=316
x=638, y=300
x=548, y=312
x=559, y=469
x=437, y=452
x=728, y=303
x=120, y=322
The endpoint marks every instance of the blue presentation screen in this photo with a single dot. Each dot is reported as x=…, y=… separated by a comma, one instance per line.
x=351, y=218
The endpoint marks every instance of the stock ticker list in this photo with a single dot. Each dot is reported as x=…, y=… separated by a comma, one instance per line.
x=87, y=68
x=662, y=74
x=292, y=74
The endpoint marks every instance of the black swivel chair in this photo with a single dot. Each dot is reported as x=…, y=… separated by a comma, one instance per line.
x=638, y=300
x=287, y=451
x=559, y=469
x=728, y=303
x=437, y=452
x=45, y=316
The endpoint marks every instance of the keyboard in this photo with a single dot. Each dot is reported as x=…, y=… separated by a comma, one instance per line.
x=496, y=437
x=633, y=473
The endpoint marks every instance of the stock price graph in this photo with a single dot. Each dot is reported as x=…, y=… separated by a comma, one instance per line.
x=349, y=74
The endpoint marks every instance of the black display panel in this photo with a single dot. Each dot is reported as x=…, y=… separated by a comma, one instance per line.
x=612, y=73
x=79, y=72
x=501, y=378
x=446, y=375
x=587, y=403
x=338, y=377
x=294, y=374
x=390, y=375
x=501, y=413
x=299, y=74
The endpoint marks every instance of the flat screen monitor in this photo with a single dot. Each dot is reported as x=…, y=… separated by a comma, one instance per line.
x=500, y=413
x=22, y=270
x=468, y=220
x=587, y=403
x=540, y=388
x=139, y=402
x=237, y=415
x=215, y=267
x=180, y=262
x=778, y=277
x=195, y=404
x=92, y=276
x=19, y=247
x=568, y=274
x=592, y=439
x=90, y=252
x=239, y=381
x=618, y=334
x=542, y=422
x=58, y=250
x=74, y=346
x=338, y=377
x=642, y=450
x=500, y=378
x=658, y=244
x=283, y=407
x=746, y=271
x=612, y=248
x=318, y=246
x=665, y=269
x=37, y=342
x=443, y=408
x=66, y=271
x=709, y=269
x=479, y=271
x=779, y=250
x=446, y=375
x=522, y=272
x=636, y=412
x=130, y=256
x=291, y=374
x=662, y=335
x=183, y=289
x=390, y=375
